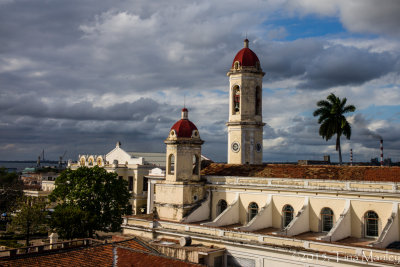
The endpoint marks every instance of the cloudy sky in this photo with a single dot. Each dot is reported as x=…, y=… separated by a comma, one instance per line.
x=78, y=76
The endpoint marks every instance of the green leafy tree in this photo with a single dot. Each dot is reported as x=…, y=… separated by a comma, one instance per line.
x=30, y=217
x=70, y=221
x=10, y=190
x=332, y=119
x=89, y=200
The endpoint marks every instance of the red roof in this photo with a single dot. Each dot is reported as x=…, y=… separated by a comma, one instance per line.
x=327, y=172
x=128, y=253
x=246, y=57
x=184, y=128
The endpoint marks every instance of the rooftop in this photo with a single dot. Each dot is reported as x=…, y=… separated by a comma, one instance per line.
x=131, y=252
x=156, y=158
x=325, y=172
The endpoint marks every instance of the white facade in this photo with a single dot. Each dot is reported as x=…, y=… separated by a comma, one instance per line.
x=130, y=166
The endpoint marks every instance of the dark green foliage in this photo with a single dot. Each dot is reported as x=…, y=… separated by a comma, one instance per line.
x=89, y=200
x=70, y=221
x=10, y=243
x=30, y=217
x=332, y=119
x=10, y=190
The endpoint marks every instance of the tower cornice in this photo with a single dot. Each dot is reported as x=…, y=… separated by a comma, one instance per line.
x=245, y=70
x=189, y=141
x=246, y=123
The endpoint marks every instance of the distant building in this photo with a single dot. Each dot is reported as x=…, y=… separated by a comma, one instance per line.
x=38, y=182
x=326, y=161
x=131, y=166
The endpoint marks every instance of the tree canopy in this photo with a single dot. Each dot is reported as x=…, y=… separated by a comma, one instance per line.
x=10, y=190
x=88, y=200
x=30, y=217
x=332, y=119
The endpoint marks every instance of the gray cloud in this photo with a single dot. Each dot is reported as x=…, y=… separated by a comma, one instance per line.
x=361, y=16
x=143, y=109
x=321, y=65
x=361, y=128
x=79, y=76
x=370, y=17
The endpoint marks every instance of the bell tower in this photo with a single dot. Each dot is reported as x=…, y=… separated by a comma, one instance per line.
x=245, y=126
x=182, y=190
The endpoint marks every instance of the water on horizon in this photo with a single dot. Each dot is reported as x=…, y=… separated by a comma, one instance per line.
x=21, y=165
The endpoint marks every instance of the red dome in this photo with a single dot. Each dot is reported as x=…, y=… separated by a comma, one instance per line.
x=184, y=128
x=246, y=57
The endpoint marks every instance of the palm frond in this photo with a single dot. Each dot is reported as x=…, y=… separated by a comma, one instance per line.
x=347, y=130
x=343, y=103
x=321, y=111
x=324, y=104
x=349, y=108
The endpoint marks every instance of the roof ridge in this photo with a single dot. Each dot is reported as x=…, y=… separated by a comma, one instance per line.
x=144, y=243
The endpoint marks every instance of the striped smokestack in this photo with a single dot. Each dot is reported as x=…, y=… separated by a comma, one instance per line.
x=381, y=152
x=351, y=157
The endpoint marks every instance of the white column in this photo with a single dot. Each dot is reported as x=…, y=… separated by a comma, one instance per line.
x=150, y=196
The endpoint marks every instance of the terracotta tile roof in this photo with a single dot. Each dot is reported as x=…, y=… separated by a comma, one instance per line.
x=92, y=256
x=132, y=252
x=362, y=173
x=132, y=258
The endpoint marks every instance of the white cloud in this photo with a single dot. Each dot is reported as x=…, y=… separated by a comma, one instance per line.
x=362, y=16
x=8, y=64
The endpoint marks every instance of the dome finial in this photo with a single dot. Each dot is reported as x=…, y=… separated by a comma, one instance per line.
x=246, y=43
x=185, y=113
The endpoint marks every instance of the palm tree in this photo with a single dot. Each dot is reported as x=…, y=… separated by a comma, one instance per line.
x=331, y=117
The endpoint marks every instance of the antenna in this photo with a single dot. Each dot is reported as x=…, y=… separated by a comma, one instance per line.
x=184, y=100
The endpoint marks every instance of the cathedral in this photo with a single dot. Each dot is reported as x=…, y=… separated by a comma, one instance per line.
x=251, y=214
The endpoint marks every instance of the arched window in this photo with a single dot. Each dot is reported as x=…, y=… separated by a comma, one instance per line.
x=99, y=161
x=196, y=163
x=326, y=219
x=90, y=161
x=222, y=205
x=287, y=215
x=171, y=164
x=236, y=100
x=253, y=210
x=258, y=100
x=82, y=161
x=371, y=224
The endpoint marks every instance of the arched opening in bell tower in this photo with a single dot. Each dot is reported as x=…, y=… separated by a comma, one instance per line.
x=171, y=164
x=196, y=164
x=258, y=100
x=235, y=100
